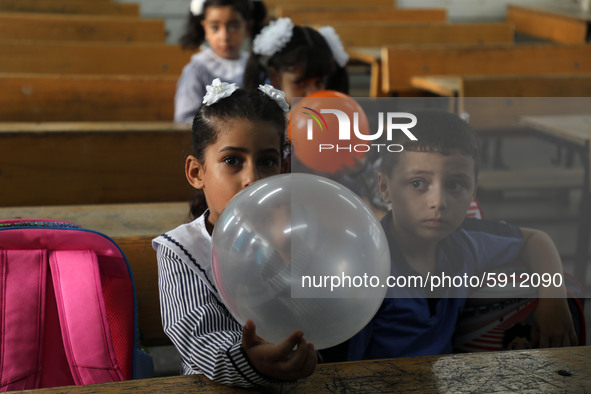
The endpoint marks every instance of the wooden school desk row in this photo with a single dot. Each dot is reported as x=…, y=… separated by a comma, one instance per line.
x=333, y=3
x=379, y=34
x=93, y=163
x=75, y=57
x=401, y=63
x=523, y=85
x=561, y=21
x=60, y=155
x=94, y=7
x=394, y=66
x=64, y=27
x=535, y=371
x=328, y=15
x=468, y=93
x=36, y=97
x=561, y=24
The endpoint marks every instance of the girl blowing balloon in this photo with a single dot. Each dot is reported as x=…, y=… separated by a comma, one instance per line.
x=238, y=138
x=225, y=25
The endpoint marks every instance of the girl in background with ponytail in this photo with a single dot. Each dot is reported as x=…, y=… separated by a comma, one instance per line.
x=297, y=59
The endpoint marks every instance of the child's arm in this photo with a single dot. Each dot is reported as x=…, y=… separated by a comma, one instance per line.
x=189, y=93
x=282, y=361
x=208, y=339
x=552, y=325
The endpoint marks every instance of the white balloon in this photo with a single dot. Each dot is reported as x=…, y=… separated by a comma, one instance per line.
x=282, y=245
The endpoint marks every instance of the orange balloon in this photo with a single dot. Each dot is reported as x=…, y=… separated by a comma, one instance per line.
x=316, y=133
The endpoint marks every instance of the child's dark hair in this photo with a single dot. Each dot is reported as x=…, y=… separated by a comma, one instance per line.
x=251, y=11
x=436, y=131
x=307, y=49
x=208, y=123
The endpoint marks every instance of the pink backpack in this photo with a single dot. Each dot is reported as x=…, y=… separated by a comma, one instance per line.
x=67, y=307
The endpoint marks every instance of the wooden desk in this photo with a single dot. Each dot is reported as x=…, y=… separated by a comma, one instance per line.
x=575, y=131
x=370, y=56
x=67, y=163
x=327, y=3
x=43, y=97
x=566, y=23
x=364, y=40
x=378, y=34
x=448, y=86
x=517, y=85
x=327, y=15
x=546, y=370
x=64, y=27
x=402, y=62
x=95, y=7
x=75, y=57
x=463, y=89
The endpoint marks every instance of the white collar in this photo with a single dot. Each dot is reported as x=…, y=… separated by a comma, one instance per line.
x=192, y=243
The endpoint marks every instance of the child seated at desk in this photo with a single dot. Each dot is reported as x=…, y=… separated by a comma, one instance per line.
x=238, y=138
x=430, y=185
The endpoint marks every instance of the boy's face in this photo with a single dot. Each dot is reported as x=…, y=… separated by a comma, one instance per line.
x=429, y=193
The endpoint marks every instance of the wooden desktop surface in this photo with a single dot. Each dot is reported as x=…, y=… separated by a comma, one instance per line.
x=536, y=371
x=573, y=128
x=565, y=10
x=448, y=86
x=563, y=22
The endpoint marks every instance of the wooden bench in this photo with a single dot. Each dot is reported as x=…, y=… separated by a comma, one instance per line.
x=378, y=34
x=68, y=97
x=93, y=163
x=401, y=63
x=328, y=15
x=132, y=227
x=22, y=56
x=565, y=23
x=56, y=27
x=94, y=7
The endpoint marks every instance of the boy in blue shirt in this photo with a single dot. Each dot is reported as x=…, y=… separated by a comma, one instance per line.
x=430, y=185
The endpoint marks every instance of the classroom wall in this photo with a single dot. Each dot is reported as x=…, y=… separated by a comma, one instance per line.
x=174, y=12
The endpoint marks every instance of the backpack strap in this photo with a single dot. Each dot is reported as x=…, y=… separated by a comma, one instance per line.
x=22, y=297
x=83, y=317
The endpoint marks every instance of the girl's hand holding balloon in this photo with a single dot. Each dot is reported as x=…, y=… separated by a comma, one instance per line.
x=281, y=361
